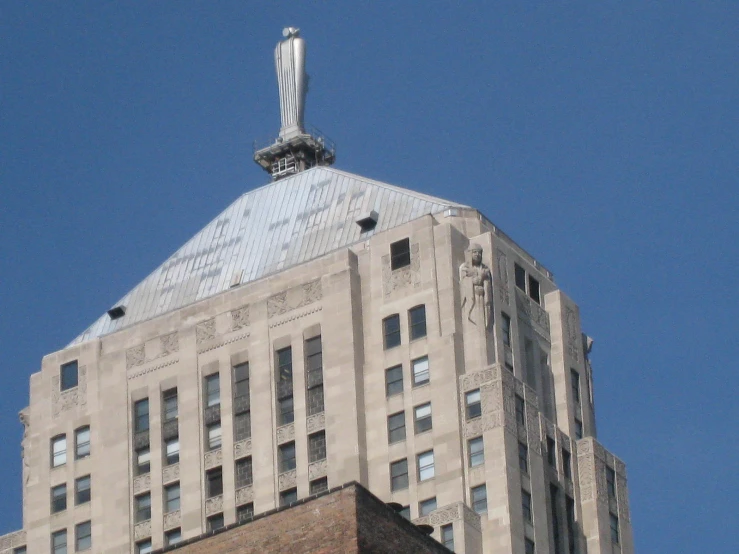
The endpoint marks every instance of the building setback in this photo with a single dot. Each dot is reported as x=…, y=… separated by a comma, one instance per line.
x=326, y=329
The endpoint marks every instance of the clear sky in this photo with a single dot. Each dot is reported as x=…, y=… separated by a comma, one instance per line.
x=602, y=136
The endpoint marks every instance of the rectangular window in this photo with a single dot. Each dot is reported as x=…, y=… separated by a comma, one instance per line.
x=214, y=436
x=570, y=513
x=526, y=505
x=551, y=452
x=314, y=377
x=245, y=512
x=241, y=380
x=171, y=498
x=242, y=426
x=143, y=547
x=394, y=380
x=82, y=442
x=420, y=371
x=58, y=451
x=425, y=464
x=391, y=331
x=417, y=322
x=172, y=537
x=59, y=542
x=566, y=464
x=212, y=390
x=141, y=415
x=479, y=497
x=143, y=507
x=143, y=460
x=82, y=490
x=285, y=365
x=399, y=475
x=319, y=485
x=447, y=536
x=243, y=470
x=520, y=277
x=578, y=429
x=473, y=408
x=317, y=446
x=575, y=382
x=396, y=427
x=287, y=457
x=506, y=328
x=400, y=254
x=172, y=451
x=287, y=413
x=534, y=293
x=288, y=497
x=611, y=482
x=83, y=536
x=530, y=547
x=523, y=457
x=69, y=375
x=58, y=498
x=214, y=482
x=476, y=451
x=169, y=405
x=213, y=523
x=422, y=418
x=520, y=410
x=554, y=509
x=615, y=534
x=314, y=354
x=425, y=507
x=314, y=400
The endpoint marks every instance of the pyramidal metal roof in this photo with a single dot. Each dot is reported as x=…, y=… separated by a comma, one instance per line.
x=267, y=230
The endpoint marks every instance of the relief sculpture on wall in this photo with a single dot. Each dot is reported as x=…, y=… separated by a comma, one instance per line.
x=477, y=288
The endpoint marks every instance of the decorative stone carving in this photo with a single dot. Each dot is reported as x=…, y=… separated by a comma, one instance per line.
x=172, y=520
x=135, y=356
x=240, y=318
x=25, y=420
x=213, y=458
x=404, y=277
x=142, y=530
x=532, y=313
x=62, y=401
x=623, y=499
x=287, y=480
x=12, y=540
x=586, y=477
x=244, y=495
x=170, y=343
x=471, y=517
x=315, y=422
x=142, y=483
x=501, y=263
x=294, y=298
x=242, y=448
x=473, y=380
x=285, y=433
x=152, y=369
x=571, y=328
x=170, y=473
x=476, y=283
x=205, y=331
x=214, y=505
x=317, y=469
x=444, y=515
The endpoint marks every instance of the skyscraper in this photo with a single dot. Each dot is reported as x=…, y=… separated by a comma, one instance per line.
x=326, y=328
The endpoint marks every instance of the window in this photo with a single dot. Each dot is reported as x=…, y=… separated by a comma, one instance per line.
x=422, y=418
x=551, y=452
x=473, y=408
x=534, y=293
x=214, y=482
x=566, y=464
x=82, y=442
x=285, y=364
x=83, y=536
x=172, y=537
x=242, y=426
x=172, y=451
x=530, y=547
x=506, y=328
x=169, y=405
x=212, y=390
x=143, y=460
x=20, y=550
x=245, y=512
x=241, y=403
x=520, y=277
x=287, y=414
x=82, y=490
x=58, y=451
x=476, y=451
x=396, y=427
x=314, y=400
x=241, y=380
x=171, y=498
x=425, y=507
x=141, y=415
x=523, y=457
x=143, y=547
x=554, y=510
x=143, y=507
x=575, y=382
x=479, y=497
x=420, y=371
x=570, y=513
x=611, y=482
x=394, y=380
x=214, y=523
x=58, y=498
x=425, y=463
x=243, y=470
x=447, y=536
x=526, y=505
x=417, y=322
x=69, y=373
x=287, y=457
x=214, y=436
x=317, y=446
x=59, y=542
x=615, y=535
x=314, y=377
x=405, y=512
x=288, y=497
x=399, y=475
x=400, y=254
x=391, y=331
x=319, y=485
x=520, y=410
x=578, y=429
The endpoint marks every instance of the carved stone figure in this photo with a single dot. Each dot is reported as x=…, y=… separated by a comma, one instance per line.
x=26, y=421
x=476, y=281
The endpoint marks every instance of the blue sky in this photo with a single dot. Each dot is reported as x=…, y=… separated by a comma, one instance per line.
x=601, y=136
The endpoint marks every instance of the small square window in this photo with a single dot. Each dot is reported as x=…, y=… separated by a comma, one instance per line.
x=143, y=460
x=82, y=490
x=520, y=410
x=391, y=331
x=215, y=522
x=479, y=496
x=396, y=427
x=394, y=380
x=473, y=407
x=319, y=485
x=399, y=475
x=447, y=536
x=520, y=277
x=214, y=436
x=212, y=390
x=287, y=457
x=523, y=457
x=143, y=547
x=615, y=532
x=425, y=507
x=69, y=375
x=425, y=463
x=288, y=497
x=526, y=505
x=58, y=498
x=143, y=507
x=214, y=482
x=243, y=469
x=172, y=537
x=83, y=536
x=82, y=442
x=317, y=446
x=534, y=293
x=417, y=322
x=506, y=328
x=59, y=542
x=245, y=512
x=58, y=451
x=172, y=451
x=420, y=371
x=171, y=498
x=476, y=451
x=422, y=418
x=400, y=254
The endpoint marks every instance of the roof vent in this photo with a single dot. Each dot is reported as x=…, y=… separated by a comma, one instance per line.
x=117, y=312
x=367, y=221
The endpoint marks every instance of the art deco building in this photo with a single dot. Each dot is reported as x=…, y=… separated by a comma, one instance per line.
x=326, y=328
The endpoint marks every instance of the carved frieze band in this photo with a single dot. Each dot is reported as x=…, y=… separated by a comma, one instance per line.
x=170, y=473
x=317, y=469
x=239, y=318
x=142, y=483
x=152, y=369
x=214, y=505
x=285, y=433
x=295, y=315
x=205, y=331
x=142, y=530
x=403, y=278
x=244, y=495
x=294, y=298
x=501, y=281
x=11, y=540
x=213, y=458
x=315, y=422
x=62, y=401
x=287, y=480
x=242, y=448
x=533, y=313
x=172, y=520
x=168, y=344
x=222, y=343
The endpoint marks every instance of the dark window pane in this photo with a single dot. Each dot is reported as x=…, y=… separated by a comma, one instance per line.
x=82, y=440
x=286, y=410
x=447, y=536
x=319, y=485
x=214, y=479
x=520, y=277
x=506, y=327
x=520, y=410
x=479, y=499
x=526, y=505
x=399, y=475
x=245, y=512
x=58, y=498
x=171, y=498
x=317, y=446
x=391, y=331
x=69, y=373
x=400, y=254
x=243, y=470
x=287, y=457
x=394, y=380
x=551, y=452
x=285, y=364
x=242, y=426
x=396, y=427
x=169, y=404
x=575, y=382
x=288, y=497
x=476, y=452
x=82, y=491
x=425, y=507
x=215, y=522
x=422, y=418
x=473, y=406
x=141, y=415
x=523, y=457
x=212, y=390
x=611, y=482
x=315, y=400
x=534, y=290
x=417, y=322
x=143, y=507
x=83, y=536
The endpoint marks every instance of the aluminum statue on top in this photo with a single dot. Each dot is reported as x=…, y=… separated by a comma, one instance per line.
x=295, y=149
